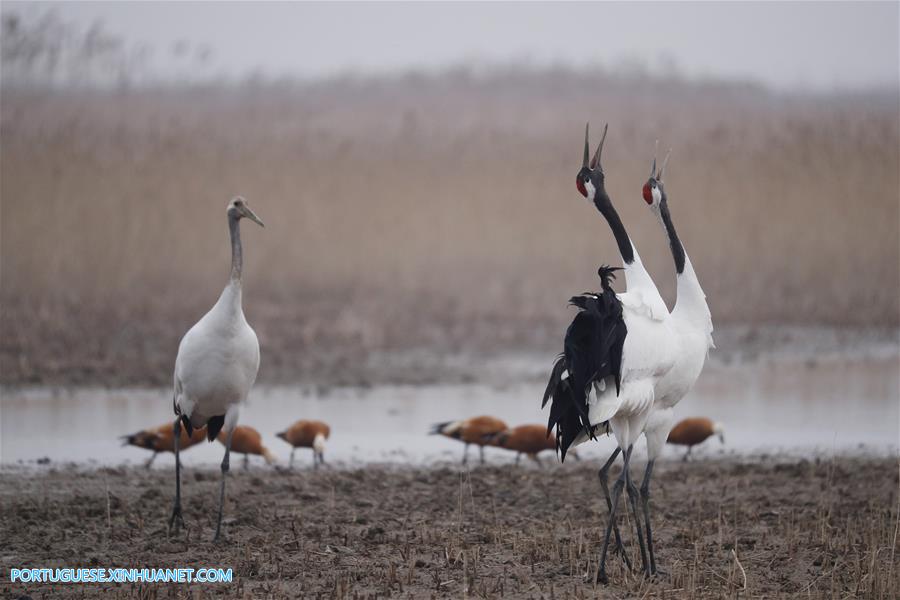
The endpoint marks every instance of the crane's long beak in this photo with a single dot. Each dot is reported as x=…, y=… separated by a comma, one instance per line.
x=245, y=210
x=587, y=148
x=595, y=162
x=662, y=169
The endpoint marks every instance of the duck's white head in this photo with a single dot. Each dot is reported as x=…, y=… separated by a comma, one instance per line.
x=719, y=430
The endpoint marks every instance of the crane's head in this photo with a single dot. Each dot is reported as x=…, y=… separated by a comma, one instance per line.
x=590, y=179
x=238, y=209
x=654, y=192
x=719, y=430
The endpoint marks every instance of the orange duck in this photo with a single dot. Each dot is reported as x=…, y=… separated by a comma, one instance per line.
x=162, y=439
x=307, y=434
x=476, y=430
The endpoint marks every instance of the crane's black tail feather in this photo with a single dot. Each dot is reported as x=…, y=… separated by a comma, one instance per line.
x=214, y=426
x=607, y=274
x=567, y=413
x=186, y=423
x=559, y=367
x=592, y=354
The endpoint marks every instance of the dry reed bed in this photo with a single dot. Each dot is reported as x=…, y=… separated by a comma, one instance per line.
x=423, y=211
x=730, y=528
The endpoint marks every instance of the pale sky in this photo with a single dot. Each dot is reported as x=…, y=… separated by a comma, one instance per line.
x=807, y=45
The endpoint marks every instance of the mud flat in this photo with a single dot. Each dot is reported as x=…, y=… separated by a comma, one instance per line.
x=747, y=527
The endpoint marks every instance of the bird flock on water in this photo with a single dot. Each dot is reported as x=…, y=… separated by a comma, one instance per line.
x=626, y=362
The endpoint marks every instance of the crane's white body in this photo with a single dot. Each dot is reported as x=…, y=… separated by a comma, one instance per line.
x=649, y=353
x=692, y=323
x=217, y=362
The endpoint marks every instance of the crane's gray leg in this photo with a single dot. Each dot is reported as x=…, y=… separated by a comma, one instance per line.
x=687, y=454
x=603, y=474
x=645, y=500
x=177, y=519
x=315, y=461
x=616, y=494
x=481, y=454
x=152, y=458
x=225, y=466
x=466, y=454
x=322, y=458
x=246, y=462
x=518, y=457
x=633, y=497
x=291, y=463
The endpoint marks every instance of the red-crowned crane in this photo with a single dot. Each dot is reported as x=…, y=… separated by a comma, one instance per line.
x=615, y=351
x=216, y=366
x=692, y=324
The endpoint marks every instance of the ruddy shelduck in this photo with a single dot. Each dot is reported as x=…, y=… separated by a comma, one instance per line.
x=162, y=439
x=475, y=430
x=529, y=440
x=307, y=434
x=693, y=431
x=246, y=440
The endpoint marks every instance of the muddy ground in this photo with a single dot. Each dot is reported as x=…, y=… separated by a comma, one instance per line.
x=751, y=528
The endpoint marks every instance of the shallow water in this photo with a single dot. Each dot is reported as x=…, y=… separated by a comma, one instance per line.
x=766, y=406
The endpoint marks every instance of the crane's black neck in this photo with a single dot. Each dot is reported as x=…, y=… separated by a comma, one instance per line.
x=237, y=255
x=674, y=242
x=615, y=223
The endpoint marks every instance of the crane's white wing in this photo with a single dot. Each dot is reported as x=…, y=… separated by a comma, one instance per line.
x=648, y=354
x=650, y=348
x=644, y=303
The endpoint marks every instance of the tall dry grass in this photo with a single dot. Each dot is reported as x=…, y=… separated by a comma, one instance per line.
x=417, y=210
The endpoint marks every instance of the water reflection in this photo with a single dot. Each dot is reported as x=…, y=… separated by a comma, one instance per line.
x=768, y=406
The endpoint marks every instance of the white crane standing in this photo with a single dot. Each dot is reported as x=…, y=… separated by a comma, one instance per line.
x=217, y=362
x=692, y=323
x=629, y=331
